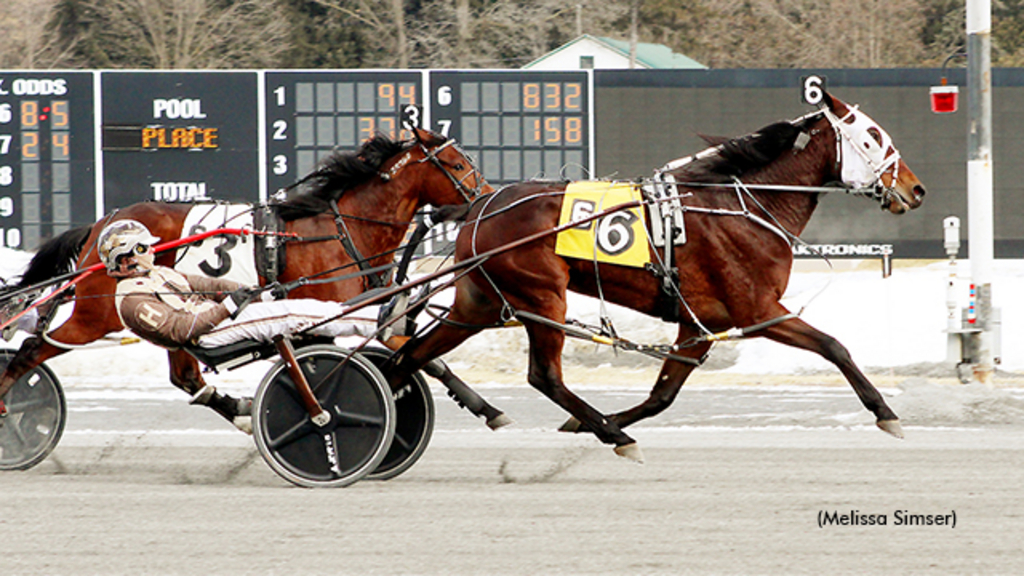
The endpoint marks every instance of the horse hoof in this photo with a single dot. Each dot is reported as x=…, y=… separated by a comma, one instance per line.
x=571, y=425
x=243, y=423
x=891, y=426
x=630, y=451
x=500, y=421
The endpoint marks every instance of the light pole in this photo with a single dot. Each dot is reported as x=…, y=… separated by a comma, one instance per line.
x=980, y=208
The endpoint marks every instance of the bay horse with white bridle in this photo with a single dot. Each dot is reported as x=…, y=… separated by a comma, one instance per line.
x=743, y=202
x=369, y=196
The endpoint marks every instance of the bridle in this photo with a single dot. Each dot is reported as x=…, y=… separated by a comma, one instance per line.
x=431, y=155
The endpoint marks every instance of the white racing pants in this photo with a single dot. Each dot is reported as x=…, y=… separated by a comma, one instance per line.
x=263, y=321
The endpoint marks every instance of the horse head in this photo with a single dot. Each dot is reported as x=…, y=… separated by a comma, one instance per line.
x=456, y=179
x=868, y=158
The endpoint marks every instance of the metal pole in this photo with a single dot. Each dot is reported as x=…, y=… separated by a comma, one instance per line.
x=979, y=179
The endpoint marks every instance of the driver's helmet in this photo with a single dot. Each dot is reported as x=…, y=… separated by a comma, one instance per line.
x=122, y=238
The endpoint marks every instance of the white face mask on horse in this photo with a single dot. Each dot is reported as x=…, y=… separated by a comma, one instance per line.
x=866, y=151
x=125, y=248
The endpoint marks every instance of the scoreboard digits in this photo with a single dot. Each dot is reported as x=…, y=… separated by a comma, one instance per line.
x=518, y=125
x=46, y=155
x=178, y=136
x=311, y=114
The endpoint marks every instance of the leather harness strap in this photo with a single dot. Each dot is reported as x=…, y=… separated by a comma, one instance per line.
x=372, y=280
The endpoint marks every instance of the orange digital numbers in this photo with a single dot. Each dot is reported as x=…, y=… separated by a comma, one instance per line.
x=552, y=97
x=30, y=145
x=386, y=94
x=60, y=118
x=61, y=145
x=573, y=96
x=574, y=130
x=531, y=97
x=387, y=126
x=367, y=128
x=407, y=93
x=29, y=114
x=553, y=130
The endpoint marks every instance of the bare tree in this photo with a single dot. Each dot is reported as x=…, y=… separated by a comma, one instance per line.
x=504, y=33
x=816, y=33
x=174, y=34
x=384, y=20
x=24, y=39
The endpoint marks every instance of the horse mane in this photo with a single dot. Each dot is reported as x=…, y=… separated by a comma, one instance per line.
x=734, y=157
x=337, y=173
x=55, y=257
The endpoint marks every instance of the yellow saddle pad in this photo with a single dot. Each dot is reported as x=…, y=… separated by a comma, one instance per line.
x=618, y=238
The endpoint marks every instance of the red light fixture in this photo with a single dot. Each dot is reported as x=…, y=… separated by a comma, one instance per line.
x=944, y=98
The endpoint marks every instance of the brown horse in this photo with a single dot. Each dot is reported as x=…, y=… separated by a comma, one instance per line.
x=732, y=269
x=369, y=196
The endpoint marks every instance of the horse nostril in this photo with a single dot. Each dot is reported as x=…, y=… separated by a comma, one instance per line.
x=919, y=191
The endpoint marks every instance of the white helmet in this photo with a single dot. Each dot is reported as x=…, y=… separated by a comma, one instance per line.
x=122, y=238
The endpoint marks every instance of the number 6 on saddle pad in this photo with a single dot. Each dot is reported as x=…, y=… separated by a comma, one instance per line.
x=618, y=238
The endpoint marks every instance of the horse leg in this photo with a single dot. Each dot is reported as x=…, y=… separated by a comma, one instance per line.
x=671, y=379
x=799, y=334
x=465, y=396
x=425, y=352
x=185, y=374
x=545, y=374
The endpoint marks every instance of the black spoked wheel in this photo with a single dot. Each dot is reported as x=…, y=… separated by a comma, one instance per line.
x=414, y=422
x=355, y=440
x=36, y=413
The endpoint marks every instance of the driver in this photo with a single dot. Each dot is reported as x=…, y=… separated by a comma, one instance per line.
x=172, y=309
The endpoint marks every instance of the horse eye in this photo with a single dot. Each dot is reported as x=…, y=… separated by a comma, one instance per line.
x=459, y=167
x=875, y=134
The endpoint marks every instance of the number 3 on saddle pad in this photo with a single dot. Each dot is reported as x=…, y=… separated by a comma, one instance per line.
x=618, y=238
x=226, y=256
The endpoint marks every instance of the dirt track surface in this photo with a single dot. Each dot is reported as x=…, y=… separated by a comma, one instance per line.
x=529, y=502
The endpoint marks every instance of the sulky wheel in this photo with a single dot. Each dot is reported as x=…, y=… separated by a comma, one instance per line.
x=36, y=413
x=355, y=440
x=414, y=423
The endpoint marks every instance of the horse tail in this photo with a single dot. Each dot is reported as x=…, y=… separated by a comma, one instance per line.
x=55, y=257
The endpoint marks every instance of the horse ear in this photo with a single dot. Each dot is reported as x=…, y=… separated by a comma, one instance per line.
x=424, y=136
x=829, y=101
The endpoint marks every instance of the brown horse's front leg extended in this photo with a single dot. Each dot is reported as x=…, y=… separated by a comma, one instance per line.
x=185, y=374
x=799, y=334
x=545, y=375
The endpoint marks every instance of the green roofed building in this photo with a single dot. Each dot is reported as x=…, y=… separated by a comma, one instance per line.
x=596, y=52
